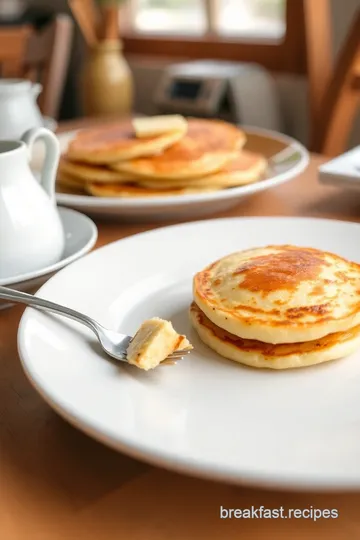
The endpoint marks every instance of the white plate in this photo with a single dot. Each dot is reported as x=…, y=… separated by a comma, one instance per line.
x=205, y=416
x=80, y=237
x=342, y=171
x=295, y=159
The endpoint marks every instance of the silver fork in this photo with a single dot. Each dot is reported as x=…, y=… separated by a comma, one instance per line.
x=113, y=343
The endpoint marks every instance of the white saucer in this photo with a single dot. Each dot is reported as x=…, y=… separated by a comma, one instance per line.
x=293, y=158
x=81, y=235
x=205, y=416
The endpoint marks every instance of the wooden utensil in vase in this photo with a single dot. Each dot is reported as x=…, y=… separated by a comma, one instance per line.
x=110, y=22
x=85, y=15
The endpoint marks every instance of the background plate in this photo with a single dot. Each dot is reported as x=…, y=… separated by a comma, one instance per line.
x=293, y=158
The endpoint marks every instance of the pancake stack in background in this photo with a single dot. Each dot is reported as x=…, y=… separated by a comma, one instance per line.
x=158, y=156
x=278, y=307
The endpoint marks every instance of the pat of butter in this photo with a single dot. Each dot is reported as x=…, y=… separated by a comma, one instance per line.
x=157, y=125
x=155, y=340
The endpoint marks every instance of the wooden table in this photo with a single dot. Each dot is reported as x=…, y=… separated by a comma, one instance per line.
x=57, y=484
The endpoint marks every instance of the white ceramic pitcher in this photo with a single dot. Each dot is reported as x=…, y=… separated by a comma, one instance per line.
x=19, y=110
x=31, y=232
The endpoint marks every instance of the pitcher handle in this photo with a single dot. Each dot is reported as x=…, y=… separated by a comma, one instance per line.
x=52, y=156
x=36, y=89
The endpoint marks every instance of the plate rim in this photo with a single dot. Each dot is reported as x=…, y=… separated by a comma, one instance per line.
x=17, y=280
x=103, y=203
x=247, y=478
x=192, y=467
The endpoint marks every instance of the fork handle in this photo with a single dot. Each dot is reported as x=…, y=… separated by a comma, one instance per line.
x=46, y=305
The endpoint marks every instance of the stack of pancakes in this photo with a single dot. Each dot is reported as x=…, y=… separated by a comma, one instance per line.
x=278, y=307
x=204, y=155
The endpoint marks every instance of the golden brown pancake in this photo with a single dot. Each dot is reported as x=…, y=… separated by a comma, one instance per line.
x=116, y=142
x=280, y=294
x=282, y=356
x=67, y=183
x=207, y=147
x=85, y=172
x=133, y=191
x=154, y=341
x=246, y=168
x=69, y=190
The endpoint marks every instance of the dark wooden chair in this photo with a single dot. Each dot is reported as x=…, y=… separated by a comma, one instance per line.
x=41, y=56
x=342, y=97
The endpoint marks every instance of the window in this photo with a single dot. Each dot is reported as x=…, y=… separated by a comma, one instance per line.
x=169, y=16
x=268, y=32
x=225, y=18
x=252, y=18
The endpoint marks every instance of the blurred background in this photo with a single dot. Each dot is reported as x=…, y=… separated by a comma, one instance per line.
x=159, y=33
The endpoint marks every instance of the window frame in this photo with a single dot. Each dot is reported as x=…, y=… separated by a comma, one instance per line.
x=286, y=54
